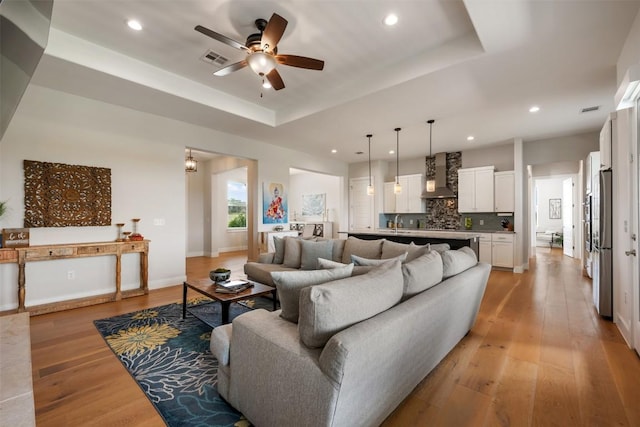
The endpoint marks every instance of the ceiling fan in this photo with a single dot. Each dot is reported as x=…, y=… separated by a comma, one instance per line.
x=262, y=51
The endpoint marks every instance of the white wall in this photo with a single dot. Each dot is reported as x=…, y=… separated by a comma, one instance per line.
x=500, y=156
x=546, y=189
x=195, y=187
x=146, y=155
x=315, y=183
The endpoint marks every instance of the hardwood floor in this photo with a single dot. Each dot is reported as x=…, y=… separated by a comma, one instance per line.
x=538, y=355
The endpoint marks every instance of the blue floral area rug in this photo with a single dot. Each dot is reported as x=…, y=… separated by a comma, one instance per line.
x=170, y=360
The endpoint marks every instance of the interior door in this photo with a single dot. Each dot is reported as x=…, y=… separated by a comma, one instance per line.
x=360, y=205
x=567, y=216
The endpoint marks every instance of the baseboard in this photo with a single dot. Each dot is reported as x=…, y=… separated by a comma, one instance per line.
x=195, y=254
x=233, y=249
x=166, y=282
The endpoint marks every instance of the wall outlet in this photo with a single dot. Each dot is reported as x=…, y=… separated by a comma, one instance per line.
x=71, y=274
x=410, y=222
x=482, y=222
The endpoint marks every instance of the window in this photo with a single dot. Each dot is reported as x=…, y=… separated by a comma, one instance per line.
x=236, y=205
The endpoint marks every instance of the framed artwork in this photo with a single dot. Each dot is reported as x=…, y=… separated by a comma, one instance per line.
x=60, y=195
x=274, y=203
x=313, y=204
x=555, y=208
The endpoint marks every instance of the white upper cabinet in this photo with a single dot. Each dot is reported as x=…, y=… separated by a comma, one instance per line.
x=475, y=189
x=607, y=134
x=409, y=200
x=504, y=191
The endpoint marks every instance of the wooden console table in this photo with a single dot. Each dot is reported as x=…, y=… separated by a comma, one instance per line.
x=79, y=250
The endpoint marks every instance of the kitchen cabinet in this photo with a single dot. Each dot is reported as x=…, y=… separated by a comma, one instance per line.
x=475, y=189
x=409, y=200
x=389, y=199
x=607, y=135
x=502, y=245
x=485, y=250
x=504, y=191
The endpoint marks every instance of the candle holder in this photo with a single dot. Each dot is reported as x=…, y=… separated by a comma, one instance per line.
x=126, y=235
x=135, y=235
x=120, y=237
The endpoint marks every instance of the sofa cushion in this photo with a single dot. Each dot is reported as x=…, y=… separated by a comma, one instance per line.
x=290, y=283
x=329, y=308
x=421, y=273
x=393, y=249
x=292, y=252
x=311, y=251
x=416, y=251
x=278, y=243
x=338, y=249
x=371, y=249
x=262, y=272
x=440, y=247
x=327, y=263
x=457, y=261
x=358, y=260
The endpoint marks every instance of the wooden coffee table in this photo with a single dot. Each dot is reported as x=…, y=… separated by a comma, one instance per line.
x=207, y=288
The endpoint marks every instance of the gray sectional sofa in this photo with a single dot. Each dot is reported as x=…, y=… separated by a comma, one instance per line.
x=361, y=343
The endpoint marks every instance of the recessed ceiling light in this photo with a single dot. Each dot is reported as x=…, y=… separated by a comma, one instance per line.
x=471, y=138
x=134, y=25
x=392, y=152
x=534, y=109
x=334, y=151
x=391, y=19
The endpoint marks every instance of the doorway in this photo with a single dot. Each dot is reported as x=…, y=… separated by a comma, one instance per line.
x=555, y=208
x=218, y=179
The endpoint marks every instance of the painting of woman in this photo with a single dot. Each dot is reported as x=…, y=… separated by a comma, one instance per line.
x=274, y=204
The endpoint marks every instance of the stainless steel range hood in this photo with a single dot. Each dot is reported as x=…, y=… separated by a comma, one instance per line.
x=441, y=191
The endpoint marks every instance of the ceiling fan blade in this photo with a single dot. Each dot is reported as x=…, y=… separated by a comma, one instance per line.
x=273, y=32
x=231, y=68
x=275, y=79
x=300, y=62
x=217, y=36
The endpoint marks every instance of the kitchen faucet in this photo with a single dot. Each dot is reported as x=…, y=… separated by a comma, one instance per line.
x=395, y=220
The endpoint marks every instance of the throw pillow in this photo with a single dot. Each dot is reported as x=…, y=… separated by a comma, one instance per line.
x=278, y=257
x=311, y=251
x=329, y=308
x=421, y=273
x=290, y=283
x=456, y=261
x=292, y=252
x=416, y=251
x=357, y=260
x=364, y=248
x=440, y=247
x=327, y=263
x=393, y=249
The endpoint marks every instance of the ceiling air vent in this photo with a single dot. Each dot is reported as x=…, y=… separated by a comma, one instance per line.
x=589, y=109
x=212, y=57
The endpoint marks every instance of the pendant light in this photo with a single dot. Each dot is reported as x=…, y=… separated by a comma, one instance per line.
x=370, y=190
x=190, y=164
x=431, y=183
x=397, y=188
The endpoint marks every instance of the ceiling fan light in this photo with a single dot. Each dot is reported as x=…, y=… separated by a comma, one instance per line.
x=266, y=84
x=261, y=63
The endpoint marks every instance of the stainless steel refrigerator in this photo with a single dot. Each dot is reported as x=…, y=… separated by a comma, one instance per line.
x=602, y=228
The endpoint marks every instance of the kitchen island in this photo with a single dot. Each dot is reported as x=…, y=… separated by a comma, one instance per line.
x=455, y=239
